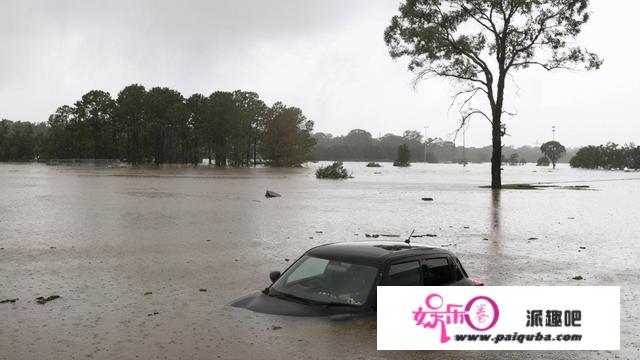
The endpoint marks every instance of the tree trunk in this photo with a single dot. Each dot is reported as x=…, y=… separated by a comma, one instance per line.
x=496, y=130
x=496, y=155
x=255, y=150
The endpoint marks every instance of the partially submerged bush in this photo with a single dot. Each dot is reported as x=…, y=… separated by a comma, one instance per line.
x=333, y=171
x=543, y=161
x=401, y=164
x=373, y=164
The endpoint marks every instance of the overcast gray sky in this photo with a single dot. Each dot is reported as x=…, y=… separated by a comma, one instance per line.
x=326, y=57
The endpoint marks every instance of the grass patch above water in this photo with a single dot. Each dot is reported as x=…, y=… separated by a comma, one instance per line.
x=539, y=187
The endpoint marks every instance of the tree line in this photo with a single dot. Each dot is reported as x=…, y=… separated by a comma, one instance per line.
x=360, y=145
x=161, y=126
x=21, y=141
x=609, y=156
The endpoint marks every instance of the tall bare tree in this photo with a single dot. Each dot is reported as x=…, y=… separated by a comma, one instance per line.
x=478, y=43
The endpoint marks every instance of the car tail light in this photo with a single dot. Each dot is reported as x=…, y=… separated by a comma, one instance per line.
x=478, y=283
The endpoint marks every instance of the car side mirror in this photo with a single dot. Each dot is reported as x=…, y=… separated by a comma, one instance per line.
x=274, y=275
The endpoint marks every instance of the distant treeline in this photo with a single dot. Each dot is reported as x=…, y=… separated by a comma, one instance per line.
x=609, y=156
x=359, y=145
x=161, y=126
x=21, y=141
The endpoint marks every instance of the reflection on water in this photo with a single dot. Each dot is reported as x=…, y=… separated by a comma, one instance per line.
x=102, y=238
x=495, y=211
x=494, y=238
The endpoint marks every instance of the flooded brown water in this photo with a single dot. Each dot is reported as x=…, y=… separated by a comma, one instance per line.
x=102, y=238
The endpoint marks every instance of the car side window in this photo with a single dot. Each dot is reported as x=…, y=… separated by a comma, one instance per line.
x=405, y=274
x=436, y=272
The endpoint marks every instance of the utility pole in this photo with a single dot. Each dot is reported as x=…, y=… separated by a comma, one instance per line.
x=425, y=143
x=464, y=143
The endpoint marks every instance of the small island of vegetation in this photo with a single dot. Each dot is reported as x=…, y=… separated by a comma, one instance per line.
x=333, y=171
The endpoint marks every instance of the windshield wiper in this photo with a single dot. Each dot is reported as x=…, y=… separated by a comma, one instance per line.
x=336, y=303
x=282, y=295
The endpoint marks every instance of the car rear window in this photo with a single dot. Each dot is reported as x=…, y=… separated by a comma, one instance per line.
x=405, y=274
x=436, y=272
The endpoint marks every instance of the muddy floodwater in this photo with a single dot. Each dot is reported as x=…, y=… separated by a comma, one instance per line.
x=145, y=261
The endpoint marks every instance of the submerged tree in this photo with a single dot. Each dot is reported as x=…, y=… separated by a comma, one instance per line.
x=404, y=156
x=287, y=137
x=542, y=161
x=95, y=109
x=553, y=150
x=130, y=117
x=478, y=43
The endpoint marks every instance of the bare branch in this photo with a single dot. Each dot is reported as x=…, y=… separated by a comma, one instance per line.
x=473, y=92
x=430, y=71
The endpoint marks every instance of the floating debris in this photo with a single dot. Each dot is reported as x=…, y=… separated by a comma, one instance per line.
x=271, y=194
x=578, y=277
x=43, y=300
x=532, y=238
x=583, y=247
x=424, y=235
x=427, y=199
x=375, y=236
x=203, y=290
x=9, y=301
x=153, y=313
x=275, y=327
x=148, y=293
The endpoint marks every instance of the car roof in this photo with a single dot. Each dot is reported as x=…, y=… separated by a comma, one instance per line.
x=373, y=252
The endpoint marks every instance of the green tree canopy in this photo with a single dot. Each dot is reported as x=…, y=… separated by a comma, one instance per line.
x=553, y=150
x=95, y=111
x=287, y=137
x=130, y=117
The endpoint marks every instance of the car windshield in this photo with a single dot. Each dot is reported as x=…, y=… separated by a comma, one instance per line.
x=326, y=281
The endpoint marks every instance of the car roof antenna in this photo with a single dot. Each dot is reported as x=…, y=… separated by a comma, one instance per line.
x=408, y=241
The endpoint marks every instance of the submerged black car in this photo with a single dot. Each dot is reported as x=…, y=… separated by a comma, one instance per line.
x=341, y=278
